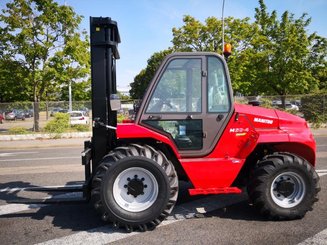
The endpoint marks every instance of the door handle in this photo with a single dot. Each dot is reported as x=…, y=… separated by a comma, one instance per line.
x=220, y=117
x=151, y=117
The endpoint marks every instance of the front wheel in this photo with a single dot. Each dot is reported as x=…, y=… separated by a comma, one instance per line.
x=284, y=186
x=135, y=186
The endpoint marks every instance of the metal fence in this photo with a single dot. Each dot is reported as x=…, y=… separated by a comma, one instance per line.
x=20, y=115
x=311, y=107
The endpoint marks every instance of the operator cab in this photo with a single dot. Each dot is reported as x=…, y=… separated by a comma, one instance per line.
x=190, y=101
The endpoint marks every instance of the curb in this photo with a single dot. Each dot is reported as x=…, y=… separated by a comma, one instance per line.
x=45, y=136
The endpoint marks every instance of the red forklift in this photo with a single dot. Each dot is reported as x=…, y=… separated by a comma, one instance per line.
x=187, y=128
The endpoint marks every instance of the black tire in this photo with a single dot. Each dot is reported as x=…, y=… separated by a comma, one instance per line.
x=284, y=186
x=135, y=187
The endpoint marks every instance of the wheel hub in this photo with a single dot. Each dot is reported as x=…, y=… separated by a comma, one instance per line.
x=288, y=189
x=285, y=188
x=135, y=186
x=135, y=189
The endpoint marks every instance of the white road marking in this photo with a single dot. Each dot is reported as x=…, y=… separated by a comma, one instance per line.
x=321, y=172
x=15, y=208
x=9, y=154
x=37, y=159
x=318, y=239
x=12, y=190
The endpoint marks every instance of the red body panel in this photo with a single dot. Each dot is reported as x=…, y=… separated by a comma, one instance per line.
x=248, y=127
x=134, y=131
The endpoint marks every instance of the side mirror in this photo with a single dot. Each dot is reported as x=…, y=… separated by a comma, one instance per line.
x=115, y=103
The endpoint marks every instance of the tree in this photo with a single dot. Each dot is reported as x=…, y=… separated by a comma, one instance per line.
x=81, y=91
x=195, y=36
x=285, y=53
x=270, y=56
x=10, y=72
x=318, y=61
x=41, y=37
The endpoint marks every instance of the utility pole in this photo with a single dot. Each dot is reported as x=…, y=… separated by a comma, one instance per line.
x=70, y=96
x=223, y=20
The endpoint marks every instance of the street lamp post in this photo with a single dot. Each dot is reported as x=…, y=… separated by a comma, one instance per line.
x=223, y=21
x=70, y=96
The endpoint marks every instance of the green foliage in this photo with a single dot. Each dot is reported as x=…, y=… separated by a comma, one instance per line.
x=41, y=40
x=266, y=102
x=81, y=128
x=285, y=52
x=12, y=76
x=81, y=91
x=16, y=105
x=121, y=117
x=18, y=130
x=123, y=97
x=314, y=107
x=59, y=124
x=270, y=56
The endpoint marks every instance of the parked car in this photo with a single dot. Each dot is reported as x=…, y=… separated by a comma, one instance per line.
x=1, y=118
x=291, y=106
x=29, y=113
x=254, y=102
x=14, y=115
x=20, y=114
x=288, y=105
x=297, y=103
x=63, y=111
x=54, y=111
x=78, y=117
x=84, y=109
x=276, y=103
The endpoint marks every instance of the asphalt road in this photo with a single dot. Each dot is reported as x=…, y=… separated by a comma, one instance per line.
x=200, y=220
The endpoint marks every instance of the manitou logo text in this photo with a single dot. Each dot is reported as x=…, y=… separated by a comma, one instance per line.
x=261, y=120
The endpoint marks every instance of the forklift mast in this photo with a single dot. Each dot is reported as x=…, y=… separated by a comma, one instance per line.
x=104, y=37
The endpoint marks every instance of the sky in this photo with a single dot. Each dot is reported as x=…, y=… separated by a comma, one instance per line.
x=145, y=26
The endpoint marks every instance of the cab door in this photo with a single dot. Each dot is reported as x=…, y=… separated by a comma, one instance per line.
x=189, y=100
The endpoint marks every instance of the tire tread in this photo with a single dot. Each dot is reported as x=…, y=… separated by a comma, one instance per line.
x=135, y=150
x=265, y=169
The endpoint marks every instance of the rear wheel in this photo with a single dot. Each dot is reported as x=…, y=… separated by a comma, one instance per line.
x=284, y=186
x=135, y=187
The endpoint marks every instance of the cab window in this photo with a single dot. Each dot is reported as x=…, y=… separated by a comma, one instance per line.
x=218, y=94
x=179, y=88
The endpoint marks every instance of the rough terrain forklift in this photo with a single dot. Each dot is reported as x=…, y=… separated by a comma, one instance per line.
x=188, y=128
